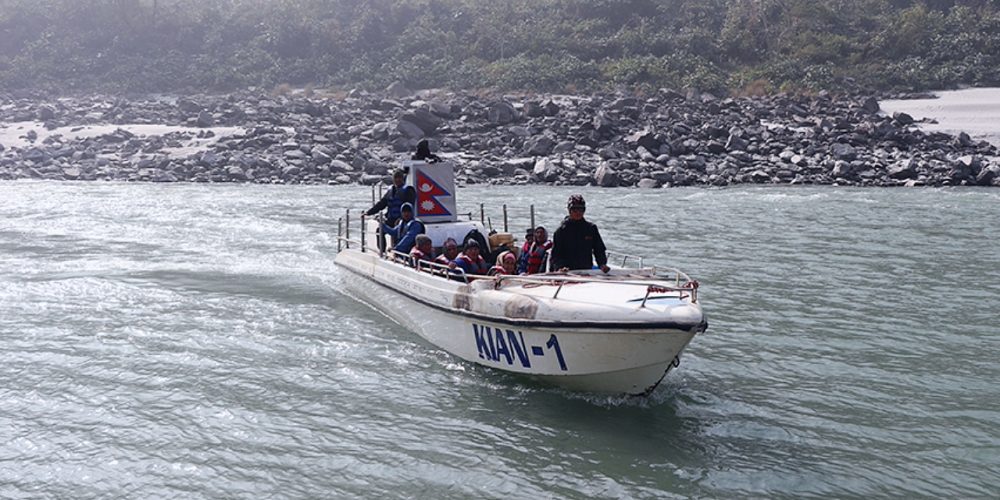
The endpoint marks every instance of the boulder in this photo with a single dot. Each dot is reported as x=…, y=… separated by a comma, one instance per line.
x=424, y=119
x=643, y=138
x=736, y=143
x=604, y=176
x=550, y=108
x=205, y=119
x=46, y=113
x=501, y=113
x=870, y=105
x=988, y=176
x=648, y=183
x=844, y=152
x=902, y=118
x=409, y=130
x=236, y=173
x=546, y=170
x=905, y=169
x=540, y=145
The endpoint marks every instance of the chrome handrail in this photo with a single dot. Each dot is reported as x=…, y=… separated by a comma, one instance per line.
x=690, y=286
x=625, y=257
x=395, y=256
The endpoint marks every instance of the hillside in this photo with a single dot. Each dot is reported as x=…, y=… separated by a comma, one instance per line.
x=738, y=46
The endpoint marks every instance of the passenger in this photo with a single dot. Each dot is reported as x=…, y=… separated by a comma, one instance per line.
x=538, y=251
x=422, y=251
x=577, y=242
x=424, y=153
x=470, y=261
x=449, y=253
x=506, y=264
x=522, y=260
x=392, y=201
x=407, y=230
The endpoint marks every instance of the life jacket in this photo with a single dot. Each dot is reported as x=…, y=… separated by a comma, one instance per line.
x=470, y=266
x=416, y=255
x=394, y=208
x=536, y=256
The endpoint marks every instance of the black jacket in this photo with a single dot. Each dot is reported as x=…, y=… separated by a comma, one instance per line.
x=575, y=242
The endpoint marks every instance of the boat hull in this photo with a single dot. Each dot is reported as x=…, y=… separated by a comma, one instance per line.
x=606, y=358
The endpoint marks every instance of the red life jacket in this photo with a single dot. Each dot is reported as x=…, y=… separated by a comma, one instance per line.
x=536, y=255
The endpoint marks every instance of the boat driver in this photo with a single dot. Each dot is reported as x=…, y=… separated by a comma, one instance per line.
x=392, y=201
x=577, y=242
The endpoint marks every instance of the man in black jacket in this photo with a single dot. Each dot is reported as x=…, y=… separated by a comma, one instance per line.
x=577, y=242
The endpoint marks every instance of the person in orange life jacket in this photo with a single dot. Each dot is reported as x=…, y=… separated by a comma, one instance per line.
x=422, y=251
x=522, y=260
x=407, y=230
x=450, y=252
x=506, y=264
x=577, y=242
x=470, y=261
x=392, y=202
x=535, y=261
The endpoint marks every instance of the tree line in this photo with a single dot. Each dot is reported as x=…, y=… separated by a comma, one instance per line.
x=738, y=46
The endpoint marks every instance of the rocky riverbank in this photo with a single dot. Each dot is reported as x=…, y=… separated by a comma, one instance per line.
x=666, y=139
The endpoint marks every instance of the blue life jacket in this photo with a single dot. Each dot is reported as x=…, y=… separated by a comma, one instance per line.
x=396, y=199
x=406, y=235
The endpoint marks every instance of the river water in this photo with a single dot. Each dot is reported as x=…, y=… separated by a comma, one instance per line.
x=190, y=341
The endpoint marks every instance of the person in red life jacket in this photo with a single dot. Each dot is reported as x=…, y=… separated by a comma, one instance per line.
x=449, y=253
x=535, y=262
x=506, y=264
x=470, y=261
x=407, y=230
x=577, y=242
x=422, y=251
x=522, y=260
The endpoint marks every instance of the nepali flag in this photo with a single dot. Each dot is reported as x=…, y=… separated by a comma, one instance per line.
x=428, y=193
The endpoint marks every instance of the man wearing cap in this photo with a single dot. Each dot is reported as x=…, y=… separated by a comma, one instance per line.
x=407, y=229
x=577, y=242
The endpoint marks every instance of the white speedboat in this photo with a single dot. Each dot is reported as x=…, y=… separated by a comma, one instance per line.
x=619, y=332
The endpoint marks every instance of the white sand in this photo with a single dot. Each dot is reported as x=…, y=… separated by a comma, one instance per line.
x=973, y=111
x=12, y=134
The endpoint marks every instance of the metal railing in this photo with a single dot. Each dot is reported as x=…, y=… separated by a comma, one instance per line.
x=431, y=267
x=689, y=286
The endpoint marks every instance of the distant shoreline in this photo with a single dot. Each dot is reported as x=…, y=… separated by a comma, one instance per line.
x=609, y=140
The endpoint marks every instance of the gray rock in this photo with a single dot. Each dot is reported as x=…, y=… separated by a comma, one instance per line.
x=564, y=147
x=409, y=130
x=340, y=166
x=870, y=105
x=902, y=118
x=424, y=119
x=988, y=176
x=71, y=173
x=843, y=152
x=550, y=107
x=643, y=138
x=46, y=113
x=205, y=119
x=501, y=113
x=604, y=176
x=236, y=173
x=539, y=146
x=648, y=183
x=533, y=109
x=546, y=170
x=905, y=169
x=736, y=143
x=519, y=131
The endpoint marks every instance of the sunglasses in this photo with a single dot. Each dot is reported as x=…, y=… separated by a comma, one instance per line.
x=577, y=209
